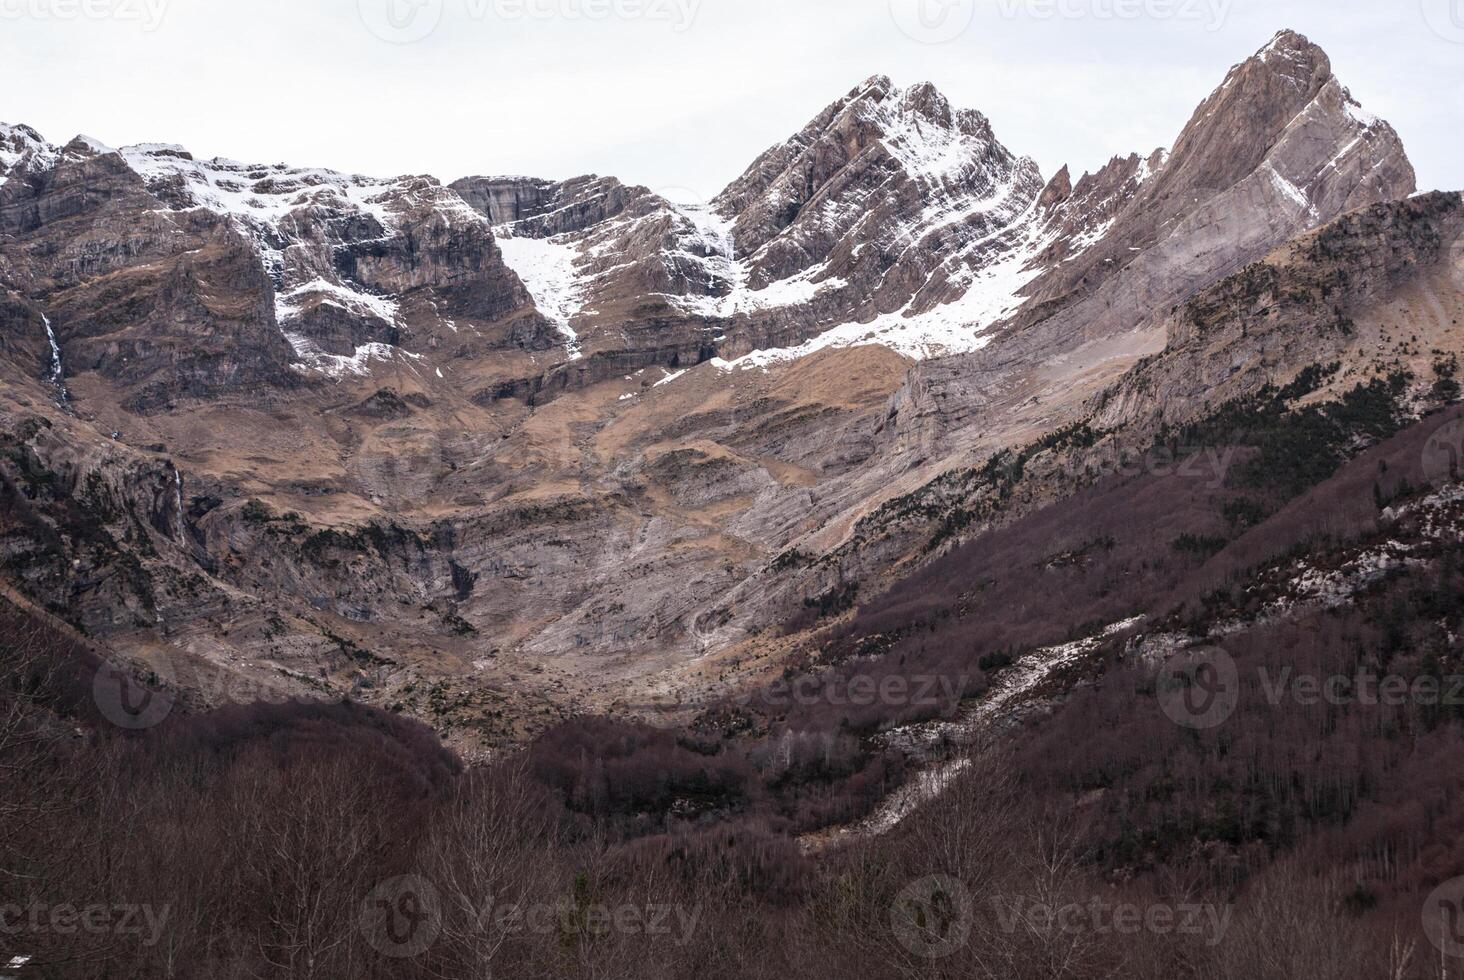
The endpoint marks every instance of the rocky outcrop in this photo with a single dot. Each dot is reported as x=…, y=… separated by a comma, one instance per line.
x=507, y=199
x=440, y=247
x=164, y=307
x=387, y=251
x=543, y=209
x=1279, y=149
x=1300, y=307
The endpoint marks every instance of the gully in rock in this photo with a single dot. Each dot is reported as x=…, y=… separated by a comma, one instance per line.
x=57, y=376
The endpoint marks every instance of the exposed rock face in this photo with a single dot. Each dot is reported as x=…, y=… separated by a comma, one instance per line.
x=359, y=246
x=162, y=306
x=574, y=441
x=1307, y=303
x=1280, y=135
x=508, y=199
x=1278, y=149
x=543, y=209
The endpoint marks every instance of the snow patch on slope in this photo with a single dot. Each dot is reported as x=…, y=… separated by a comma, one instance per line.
x=1359, y=115
x=706, y=239
x=340, y=366
x=547, y=268
x=290, y=305
x=991, y=295
x=927, y=742
x=927, y=151
x=261, y=198
x=57, y=376
x=1291, y=192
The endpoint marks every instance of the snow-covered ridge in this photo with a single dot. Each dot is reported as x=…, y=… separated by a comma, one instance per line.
x=972, y=191
x=260, y=195
x=289, y=305
x=339, y=366
x=19, y=143
x=269, y=201
x=934, y=144
x=992, y=294
x=976, y=213
x=949, y=154
x=991, y=271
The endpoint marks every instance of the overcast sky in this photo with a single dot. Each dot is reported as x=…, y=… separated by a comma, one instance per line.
x=681, y=93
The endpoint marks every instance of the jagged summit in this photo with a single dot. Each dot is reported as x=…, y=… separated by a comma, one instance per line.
x=21, y=144
x=915, y=130
x=1294, y=47
x=1278, y=148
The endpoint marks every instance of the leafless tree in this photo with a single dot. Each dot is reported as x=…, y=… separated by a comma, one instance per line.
x=485, y=855
x=310, y=839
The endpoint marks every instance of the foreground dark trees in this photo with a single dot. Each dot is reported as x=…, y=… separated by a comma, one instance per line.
x=329, y=841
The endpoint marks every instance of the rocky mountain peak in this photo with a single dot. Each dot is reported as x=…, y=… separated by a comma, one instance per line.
x=1058, y=189
x=1285, y=107
x=1293, y=52
x=20, y=143
x=881, y=84
x=1280, y=140
x=916, y=126
x=805, y=204
x=85, y=146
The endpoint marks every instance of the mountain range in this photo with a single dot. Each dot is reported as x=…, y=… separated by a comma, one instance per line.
x=502, y=451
